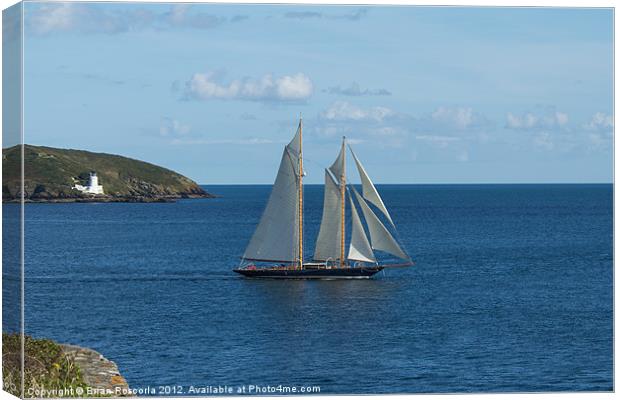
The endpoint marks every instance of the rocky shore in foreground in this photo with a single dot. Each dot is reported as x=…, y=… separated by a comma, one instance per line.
x=54, y=370
x=100, y=374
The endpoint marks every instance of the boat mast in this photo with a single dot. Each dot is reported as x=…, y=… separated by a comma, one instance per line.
x=301, y=198
x=342, y=204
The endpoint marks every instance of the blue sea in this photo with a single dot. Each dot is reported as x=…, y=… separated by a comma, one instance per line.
x=511, y=291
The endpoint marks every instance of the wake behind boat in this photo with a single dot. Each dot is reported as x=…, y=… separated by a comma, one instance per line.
x=276, y=250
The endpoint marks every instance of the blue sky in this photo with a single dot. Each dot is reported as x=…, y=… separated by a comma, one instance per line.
x=426, y=95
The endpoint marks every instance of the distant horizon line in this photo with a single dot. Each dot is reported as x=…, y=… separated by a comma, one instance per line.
x=173, y=169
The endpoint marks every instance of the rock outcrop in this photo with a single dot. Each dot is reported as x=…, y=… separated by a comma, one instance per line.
x=99, y=373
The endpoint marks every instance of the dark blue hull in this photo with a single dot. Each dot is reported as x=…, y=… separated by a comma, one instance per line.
x=291, y=273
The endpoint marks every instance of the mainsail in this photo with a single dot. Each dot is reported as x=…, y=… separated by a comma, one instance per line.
x=277, y=236
x=328, y=241
x=359, y=248
x=380, y=237
x=368, y=189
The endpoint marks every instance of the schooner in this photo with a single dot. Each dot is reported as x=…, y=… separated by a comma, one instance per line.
x=276, y=250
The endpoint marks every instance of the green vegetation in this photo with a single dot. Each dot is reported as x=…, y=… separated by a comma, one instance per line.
x=47, y=368
x=50, y=173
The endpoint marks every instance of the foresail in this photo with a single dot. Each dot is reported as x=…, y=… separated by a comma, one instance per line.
x=277, y=235
x=328, y=241
x=359, y=248
x=368, y=189
x=380, y=237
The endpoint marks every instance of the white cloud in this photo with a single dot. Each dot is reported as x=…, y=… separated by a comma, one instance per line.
x=600, y=131
x=246, y=141
x=355, y=90
x=460, y=117
x=386, y=131
x=180, y=16
x=45, y=18
x=53, y=16
x=296, y=87
x=172, y=127
x=561, y=118
x=353, y=16
x=525, y=121
x=551, y=130
x=377, y=124
x=303, y=14
x=448, y=121
x=544, y=141
x=343, y=111
x=597, y=140
x=549, y=119
x=600, y=121
x=444, y=128
x=439, y=141
x=356, y=141
x=178, y=13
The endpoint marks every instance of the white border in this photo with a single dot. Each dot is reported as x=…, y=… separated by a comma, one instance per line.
x=480, y=3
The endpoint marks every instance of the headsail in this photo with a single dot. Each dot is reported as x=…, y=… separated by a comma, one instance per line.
x=359, y=248
x=328, y=241
x=368, y=189
x=380, y=237
x=277, y=236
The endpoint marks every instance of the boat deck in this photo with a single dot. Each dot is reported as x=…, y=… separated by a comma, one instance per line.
x=309, y=272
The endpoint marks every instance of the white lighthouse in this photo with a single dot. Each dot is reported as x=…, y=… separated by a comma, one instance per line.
x=93, y=185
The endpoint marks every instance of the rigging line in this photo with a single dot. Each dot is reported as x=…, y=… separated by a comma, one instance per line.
x=400, y=243
x=322, y=166
x=316, y=163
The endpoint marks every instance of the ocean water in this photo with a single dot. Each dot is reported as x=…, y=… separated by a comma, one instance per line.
x=512, y=291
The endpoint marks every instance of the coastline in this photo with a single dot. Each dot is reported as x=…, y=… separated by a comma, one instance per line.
x=55, y=370
x=112, y=199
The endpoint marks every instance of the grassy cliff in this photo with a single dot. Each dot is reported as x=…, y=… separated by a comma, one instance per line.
x=50, y=174
x=58, y=370
x=47, y=368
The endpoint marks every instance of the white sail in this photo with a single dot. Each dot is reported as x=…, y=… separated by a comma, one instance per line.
x=368, y=189
x=337, y=168
x=328, y=241
x=380, y=237
x=277, y=236
x=359, y=248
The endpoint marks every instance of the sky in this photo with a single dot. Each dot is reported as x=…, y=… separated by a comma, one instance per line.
x=423, y=94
